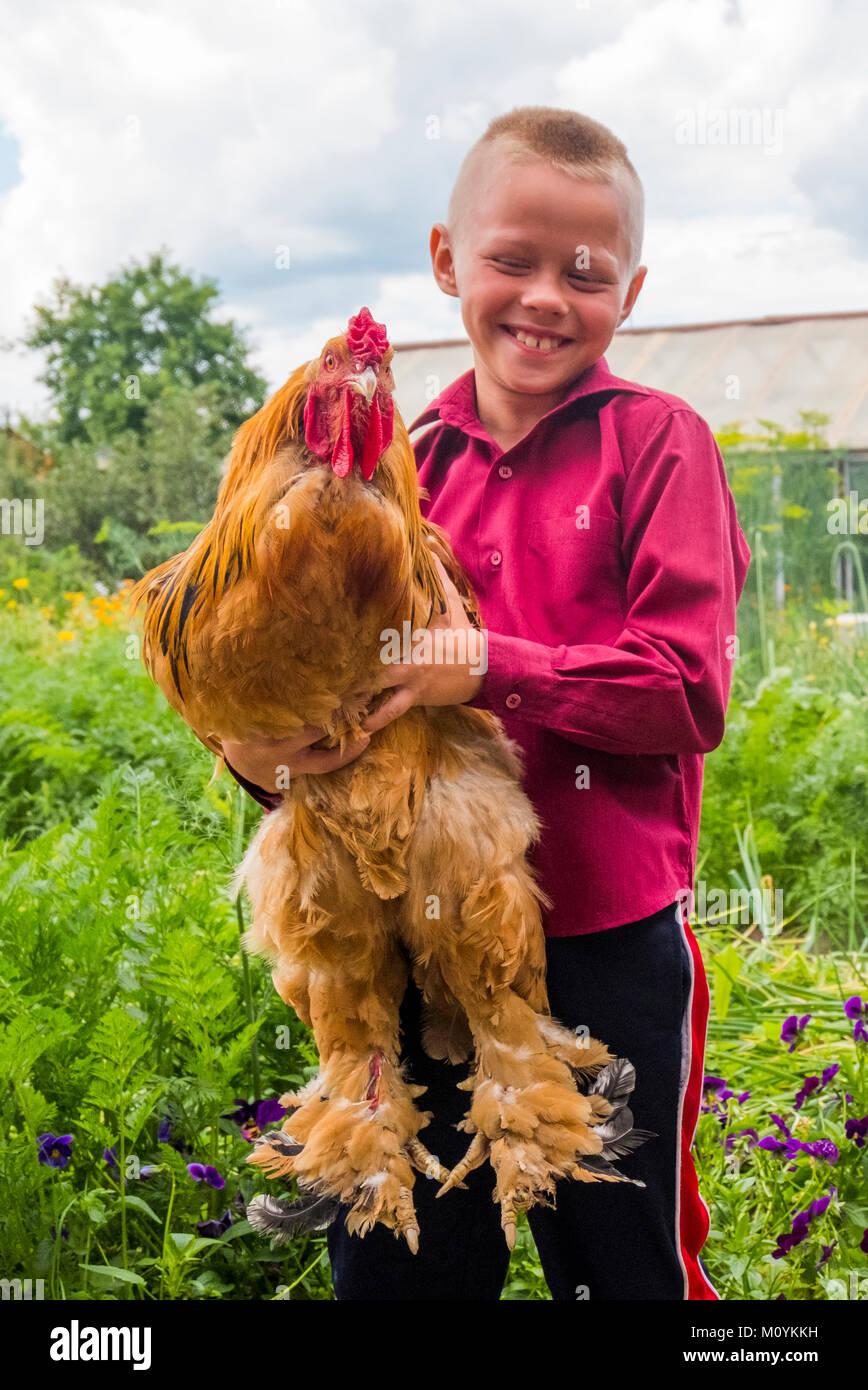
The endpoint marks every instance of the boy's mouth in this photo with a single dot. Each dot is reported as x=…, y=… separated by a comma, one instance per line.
x=537, y=342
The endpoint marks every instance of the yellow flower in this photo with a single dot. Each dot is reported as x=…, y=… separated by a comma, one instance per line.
x=73, y=595
x=66, y=636
x=21, y=583
x=12, y=603
x=99, y=601
x=2, y=593
x=46, y=612
x=115, y=605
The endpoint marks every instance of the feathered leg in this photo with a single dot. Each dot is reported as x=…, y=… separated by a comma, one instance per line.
x=353, y=1131
x=484, y=952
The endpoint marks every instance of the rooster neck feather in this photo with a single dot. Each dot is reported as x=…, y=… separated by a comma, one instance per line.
x=224, y=552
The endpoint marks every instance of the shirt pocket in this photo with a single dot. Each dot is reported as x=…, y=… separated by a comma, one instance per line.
x=572, y=578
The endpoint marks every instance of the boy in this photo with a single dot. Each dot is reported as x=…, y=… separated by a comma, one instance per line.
x=595, y=522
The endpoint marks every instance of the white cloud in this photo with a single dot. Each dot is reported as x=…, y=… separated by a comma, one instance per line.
x=225, y=132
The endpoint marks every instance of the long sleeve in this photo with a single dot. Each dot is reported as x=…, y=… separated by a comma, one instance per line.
x=663, y=683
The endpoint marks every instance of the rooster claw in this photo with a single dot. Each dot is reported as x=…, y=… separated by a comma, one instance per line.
x=474, y=1158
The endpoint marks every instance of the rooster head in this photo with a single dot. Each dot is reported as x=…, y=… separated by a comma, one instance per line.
x=349, y=414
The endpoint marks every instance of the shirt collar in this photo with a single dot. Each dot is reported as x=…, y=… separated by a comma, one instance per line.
x=457, y=404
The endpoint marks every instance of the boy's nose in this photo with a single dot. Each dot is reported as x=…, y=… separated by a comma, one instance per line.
x=544, y=293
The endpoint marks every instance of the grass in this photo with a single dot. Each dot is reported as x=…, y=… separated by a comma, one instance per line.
x=130, y=1021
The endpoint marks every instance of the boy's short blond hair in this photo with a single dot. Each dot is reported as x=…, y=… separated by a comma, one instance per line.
x=567, y=140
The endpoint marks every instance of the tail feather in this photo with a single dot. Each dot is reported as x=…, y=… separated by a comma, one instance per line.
x=282, y=1220
x=615, y=1084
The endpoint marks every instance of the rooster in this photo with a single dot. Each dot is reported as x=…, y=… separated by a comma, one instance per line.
x=411, y=860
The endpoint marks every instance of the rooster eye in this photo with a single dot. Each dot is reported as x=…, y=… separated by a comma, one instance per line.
x=330, y=362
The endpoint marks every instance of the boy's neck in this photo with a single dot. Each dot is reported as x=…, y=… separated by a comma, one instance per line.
x=507, y=416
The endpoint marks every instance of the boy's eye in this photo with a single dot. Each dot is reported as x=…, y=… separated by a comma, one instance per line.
x=507, y=264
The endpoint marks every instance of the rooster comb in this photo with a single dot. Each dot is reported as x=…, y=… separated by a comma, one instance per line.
x=367, y=340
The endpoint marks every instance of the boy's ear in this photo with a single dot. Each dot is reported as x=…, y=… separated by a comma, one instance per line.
x=442, y=260
x=633, y=293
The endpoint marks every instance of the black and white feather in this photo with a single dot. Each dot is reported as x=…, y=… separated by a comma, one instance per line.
x=282, y=1220
x=615, y=1084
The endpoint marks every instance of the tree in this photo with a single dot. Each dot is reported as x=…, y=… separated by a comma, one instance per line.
x=115, y=349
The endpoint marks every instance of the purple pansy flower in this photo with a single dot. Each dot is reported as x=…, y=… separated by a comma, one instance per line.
x=809, y=1085
x=214, y=1229
x=791, y=1029
x=822, y=1148
x=64, y=1233
x=801, y=1225
x=164, y=1136
x=816, y=1083
x=255, y=1116
x=827, y=1250
x=857, y=1130
x=54, y=1151
x=863, y=1244
x=200, y=1172
x=857, y=1010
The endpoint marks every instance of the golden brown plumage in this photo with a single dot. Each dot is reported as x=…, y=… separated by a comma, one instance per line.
x=410, y=859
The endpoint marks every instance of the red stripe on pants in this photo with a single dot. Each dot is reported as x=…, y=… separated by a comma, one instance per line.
x=693, y=1215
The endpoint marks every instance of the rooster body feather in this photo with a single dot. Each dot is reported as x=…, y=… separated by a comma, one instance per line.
x=410, y=860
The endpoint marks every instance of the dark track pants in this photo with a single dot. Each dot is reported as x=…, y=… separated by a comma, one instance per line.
x=640, y=988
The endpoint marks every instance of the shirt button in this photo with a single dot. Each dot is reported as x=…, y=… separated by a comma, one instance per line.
x=513, y=700
x=496, y=557
x=505, y=471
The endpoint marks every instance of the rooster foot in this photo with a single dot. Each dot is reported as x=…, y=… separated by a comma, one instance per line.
x=352, y=1136
x=546, y=1130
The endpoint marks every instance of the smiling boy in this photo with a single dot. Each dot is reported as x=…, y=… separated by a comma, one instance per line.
x=595, y=522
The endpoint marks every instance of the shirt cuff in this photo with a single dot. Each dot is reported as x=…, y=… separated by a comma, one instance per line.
x=270, y=800
x=514, y=664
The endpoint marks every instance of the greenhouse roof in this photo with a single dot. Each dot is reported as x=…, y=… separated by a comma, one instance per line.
x=744, y=370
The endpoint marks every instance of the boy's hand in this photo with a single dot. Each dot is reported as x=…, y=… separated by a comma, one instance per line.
x=259, y=762
x=433, y=682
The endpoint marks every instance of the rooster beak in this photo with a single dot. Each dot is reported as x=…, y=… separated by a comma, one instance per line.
x=365, y=383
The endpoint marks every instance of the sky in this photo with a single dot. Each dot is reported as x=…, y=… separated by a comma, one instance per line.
x=299, y=151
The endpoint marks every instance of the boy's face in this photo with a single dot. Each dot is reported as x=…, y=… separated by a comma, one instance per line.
x=519, y=266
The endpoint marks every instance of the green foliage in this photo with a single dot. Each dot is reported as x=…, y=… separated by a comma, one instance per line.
x=794, y=766
x=753, y=1194
x=114, y=350
x=109, y=503
x=123, y=1001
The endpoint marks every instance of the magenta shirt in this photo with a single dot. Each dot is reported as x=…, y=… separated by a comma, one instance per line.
x=608, y=561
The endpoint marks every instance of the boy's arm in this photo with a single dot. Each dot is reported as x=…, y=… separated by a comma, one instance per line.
x=662, y=684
